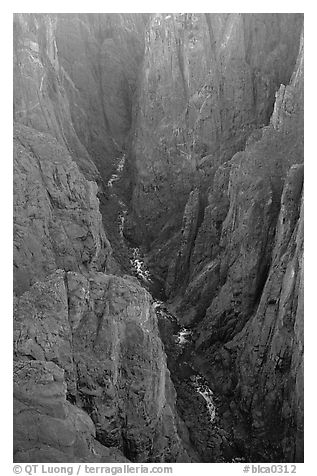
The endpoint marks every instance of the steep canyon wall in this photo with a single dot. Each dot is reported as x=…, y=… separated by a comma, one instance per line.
x=91, y=380
x=208, y=81
x=207, y=110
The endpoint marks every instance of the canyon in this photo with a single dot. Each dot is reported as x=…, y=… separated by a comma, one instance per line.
x=158, y=237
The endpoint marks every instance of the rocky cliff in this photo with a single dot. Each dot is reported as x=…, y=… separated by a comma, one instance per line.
x=181, y=134
x=57, y=223
x=91, y=378
x=221, y=258
x=251, y=333
x=101, y=332
x=99, y=59
x=47, y=428
x=208, y=80
x=97, y=328
x=255, y=181
x=40, y=100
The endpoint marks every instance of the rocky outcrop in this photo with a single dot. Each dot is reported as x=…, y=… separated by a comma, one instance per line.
x=254, y=191
x=40, y=100
x=261, y=368
x=125, y=383
x=270, y=365
x=57, y=223
x=251, y=337
x=47, y=428
x=99, y=328
x=95, y=334
x=208, y=81
x=179, y=267
x=102, y=332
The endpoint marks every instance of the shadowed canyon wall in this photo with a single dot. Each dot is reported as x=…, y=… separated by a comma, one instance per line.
x=244, y=285
x=208, y=80
x=207, y=112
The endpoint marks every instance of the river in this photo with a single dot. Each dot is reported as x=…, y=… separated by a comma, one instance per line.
x=196, y=401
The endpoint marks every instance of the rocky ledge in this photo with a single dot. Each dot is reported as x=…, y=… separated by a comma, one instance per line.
x=99, y=335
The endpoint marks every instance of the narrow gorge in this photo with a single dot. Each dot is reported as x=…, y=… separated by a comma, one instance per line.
x=158, y=237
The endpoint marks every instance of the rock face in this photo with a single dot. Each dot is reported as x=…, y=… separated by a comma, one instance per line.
x=252, y=332
x=178, y=269
x=208, y=80
x=236, y=277
x=100, y=57
x=99, y=328
x=254, y=191
x=261, y=368
x=231, y=254
x=270, y=366
x=204, y=115
x=40, y=100
x=47, y=428
x=102, y=332
x=81, y=331
x=57, y=223
x=75, y=77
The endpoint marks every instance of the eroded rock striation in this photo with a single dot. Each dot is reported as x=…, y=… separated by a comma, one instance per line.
x=273, y=351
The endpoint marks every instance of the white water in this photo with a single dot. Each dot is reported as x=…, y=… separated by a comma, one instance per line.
x=162, y=311
x=207, y=394
x=136, y=260
x=159, y=310
x=115, y=177
x=139, y=266
x=183, y=336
